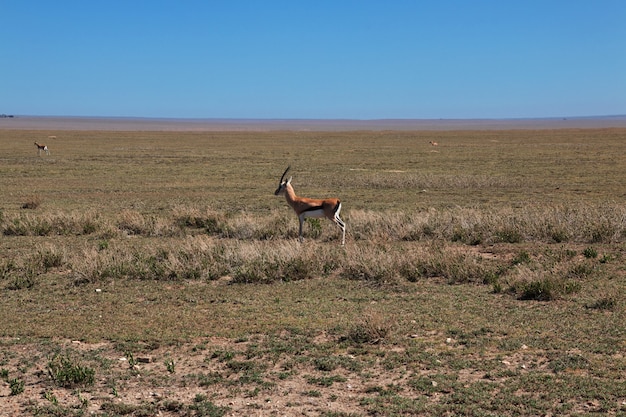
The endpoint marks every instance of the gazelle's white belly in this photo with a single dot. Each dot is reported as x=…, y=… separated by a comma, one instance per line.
x=313, y=213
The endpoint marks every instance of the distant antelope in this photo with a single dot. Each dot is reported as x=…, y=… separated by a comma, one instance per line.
x=42, y=147
x=309, y=207
x=434, y=143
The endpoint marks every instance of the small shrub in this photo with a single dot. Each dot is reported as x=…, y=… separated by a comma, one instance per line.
x=17, y=227
x=66, y=373
x=103, y=245
x=299, y=268
x=567, y=254
x=23, y=279
x=372, y=329
x=566, y=362
x=522, y=258
x=590, y=252
x=601, y=234
x=7, y=269
x=580, y=270
x=410, y=271
x=16, y=386
x=50, y=258
x=135, y=223
x=559, y=235
x=542, y=290
x=31, y=203
x=49, y=395
x=190, y=220
x=548, y=289
x=202, y=407
x=466, y=235
x=89, y=227
x=509, y=236
x=497, y=287
x=325, y=364
x=605, y=303
x=43, y=228
x=213, y=378
x=369, y=271
x=606, y=259
x=170, y=366
x=255, y=271
x=216, y=226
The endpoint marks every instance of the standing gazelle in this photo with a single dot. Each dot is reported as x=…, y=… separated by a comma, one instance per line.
x=309, y=207
x=42, y=147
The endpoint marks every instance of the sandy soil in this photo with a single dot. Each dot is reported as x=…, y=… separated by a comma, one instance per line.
x=283, y=386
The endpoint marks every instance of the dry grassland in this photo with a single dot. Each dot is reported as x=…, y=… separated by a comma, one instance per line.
x=155, y=273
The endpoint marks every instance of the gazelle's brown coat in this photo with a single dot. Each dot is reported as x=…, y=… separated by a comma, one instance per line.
x=310, y=207
x=42, y=147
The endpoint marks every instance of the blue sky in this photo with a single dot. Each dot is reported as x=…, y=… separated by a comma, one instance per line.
x=313, y=59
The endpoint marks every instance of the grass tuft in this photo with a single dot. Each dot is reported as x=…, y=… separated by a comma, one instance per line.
x=68, y=373
x=372, y=328
x=32, y=203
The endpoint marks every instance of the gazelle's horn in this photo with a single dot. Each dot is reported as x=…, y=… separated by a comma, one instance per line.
x=284, y=173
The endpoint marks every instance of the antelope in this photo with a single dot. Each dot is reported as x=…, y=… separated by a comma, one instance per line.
x=309, y=207
x=42, y=147
x=434, y=143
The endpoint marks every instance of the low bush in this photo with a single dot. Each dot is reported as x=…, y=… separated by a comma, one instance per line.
x=373, y=328
x=68, y=373
x=16, y=386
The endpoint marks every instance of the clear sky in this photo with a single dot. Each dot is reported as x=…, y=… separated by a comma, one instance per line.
x=313, y=59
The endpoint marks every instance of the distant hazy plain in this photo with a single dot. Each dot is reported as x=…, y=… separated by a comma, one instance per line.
x=165, y=124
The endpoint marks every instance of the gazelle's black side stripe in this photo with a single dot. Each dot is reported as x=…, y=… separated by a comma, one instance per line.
x=314, y=208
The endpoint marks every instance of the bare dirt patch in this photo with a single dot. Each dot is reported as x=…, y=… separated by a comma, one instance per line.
x=240, y=377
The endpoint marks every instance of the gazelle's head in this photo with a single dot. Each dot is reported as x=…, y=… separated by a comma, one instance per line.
x=282, y=184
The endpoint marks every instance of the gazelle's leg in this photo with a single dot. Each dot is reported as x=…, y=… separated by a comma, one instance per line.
x=301, y=219
x=341, y=225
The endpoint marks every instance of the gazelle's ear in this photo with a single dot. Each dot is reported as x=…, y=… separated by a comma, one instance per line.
x=289, y=180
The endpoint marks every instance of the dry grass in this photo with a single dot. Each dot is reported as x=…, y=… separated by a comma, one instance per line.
x=473, y=277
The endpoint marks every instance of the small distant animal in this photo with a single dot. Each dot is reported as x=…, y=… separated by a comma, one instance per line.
x=309, y=207
x=434, y=143
x=42, y=147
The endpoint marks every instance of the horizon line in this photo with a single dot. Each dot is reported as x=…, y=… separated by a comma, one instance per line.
x=133, y=123
x=598, y=116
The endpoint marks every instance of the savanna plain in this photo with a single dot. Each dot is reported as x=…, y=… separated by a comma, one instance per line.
x=156, y=274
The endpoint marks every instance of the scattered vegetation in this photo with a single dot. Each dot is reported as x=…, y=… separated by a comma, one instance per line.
x=67, y=373
x=485, y=278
